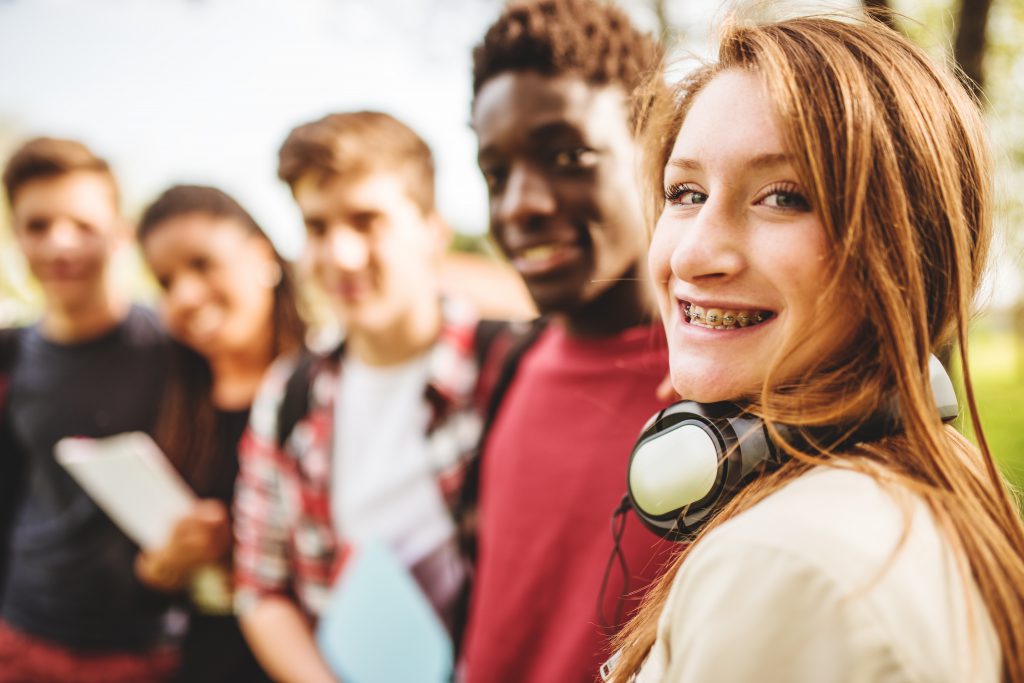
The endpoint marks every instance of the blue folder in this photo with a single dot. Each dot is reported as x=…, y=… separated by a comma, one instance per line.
x=379, y=627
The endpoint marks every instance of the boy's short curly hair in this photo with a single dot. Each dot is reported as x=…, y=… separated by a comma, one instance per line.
x=586, y=38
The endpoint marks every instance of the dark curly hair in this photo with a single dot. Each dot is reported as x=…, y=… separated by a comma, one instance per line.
x=591, y=39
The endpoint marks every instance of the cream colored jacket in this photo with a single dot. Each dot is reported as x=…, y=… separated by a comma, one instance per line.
x=812, y=586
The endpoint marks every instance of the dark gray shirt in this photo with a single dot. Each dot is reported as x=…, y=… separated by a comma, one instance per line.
x=70, y=575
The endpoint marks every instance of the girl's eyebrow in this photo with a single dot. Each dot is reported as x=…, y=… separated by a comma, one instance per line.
x=767, y=160
x=684, y=164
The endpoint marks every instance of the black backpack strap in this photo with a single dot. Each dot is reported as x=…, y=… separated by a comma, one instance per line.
x=507, y=343
x=500, y=358
x=295, y=403
x=484, y=336
x=11, y=463
x=10, y=338
x=492, y=343
x=523, y=339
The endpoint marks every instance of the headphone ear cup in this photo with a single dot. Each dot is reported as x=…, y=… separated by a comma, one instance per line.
x=942, y=390
x=675, y=464
x=690, y=459
x=671, y=469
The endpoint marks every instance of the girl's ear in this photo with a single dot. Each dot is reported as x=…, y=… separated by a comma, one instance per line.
x=264, y=247
x=270, y=271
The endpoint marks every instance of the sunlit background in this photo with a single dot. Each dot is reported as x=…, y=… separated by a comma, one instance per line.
x=206, y=90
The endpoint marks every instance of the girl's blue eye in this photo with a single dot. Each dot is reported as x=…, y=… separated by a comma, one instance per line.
x=684, y=195
x=785, y=198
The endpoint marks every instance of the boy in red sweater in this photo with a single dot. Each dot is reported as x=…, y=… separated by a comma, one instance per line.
x=552, y=83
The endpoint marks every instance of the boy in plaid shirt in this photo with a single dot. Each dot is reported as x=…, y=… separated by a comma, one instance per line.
x=375, y=454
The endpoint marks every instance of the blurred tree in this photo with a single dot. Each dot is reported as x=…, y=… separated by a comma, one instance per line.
x=969, y=40
x=660, y=9
x=881, y=10
x=969, y=43
x=1004, y=96
x=986, y=46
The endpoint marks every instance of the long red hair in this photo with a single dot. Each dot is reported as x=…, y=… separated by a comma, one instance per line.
x=892, y=153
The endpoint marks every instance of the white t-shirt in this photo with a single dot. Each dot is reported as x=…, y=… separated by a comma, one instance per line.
x=383, y=487
x=805, y=587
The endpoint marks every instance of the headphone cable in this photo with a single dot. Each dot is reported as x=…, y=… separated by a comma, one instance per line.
x=618, y=527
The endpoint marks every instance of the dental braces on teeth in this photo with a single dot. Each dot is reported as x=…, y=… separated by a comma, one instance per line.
x=718, y=318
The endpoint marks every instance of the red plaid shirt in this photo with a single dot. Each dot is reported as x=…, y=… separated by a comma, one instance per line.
x=285, y=543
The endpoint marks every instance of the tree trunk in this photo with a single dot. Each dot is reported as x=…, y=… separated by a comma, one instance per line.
x=666, y=32
x=969, y=43
x=880, y=10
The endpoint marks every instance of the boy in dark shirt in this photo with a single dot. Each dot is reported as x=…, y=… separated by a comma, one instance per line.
x=71, y=608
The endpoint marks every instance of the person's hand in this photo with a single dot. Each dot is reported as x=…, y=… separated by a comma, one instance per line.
x=201, y=537
x=666, y=392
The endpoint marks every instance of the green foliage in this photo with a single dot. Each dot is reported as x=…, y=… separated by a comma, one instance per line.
x=997, y=368
x=471, y=244
x=19, y=297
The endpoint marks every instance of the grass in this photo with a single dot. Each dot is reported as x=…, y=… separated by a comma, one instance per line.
x=997, y=367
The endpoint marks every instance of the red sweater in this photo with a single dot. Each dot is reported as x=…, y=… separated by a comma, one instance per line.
x=554, y=470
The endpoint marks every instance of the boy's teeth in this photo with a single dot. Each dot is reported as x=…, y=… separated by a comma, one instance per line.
x=724, y=319
x=538, y=253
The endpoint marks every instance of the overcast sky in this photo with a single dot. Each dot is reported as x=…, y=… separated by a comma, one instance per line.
x=186, y=91
x=206, y=90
